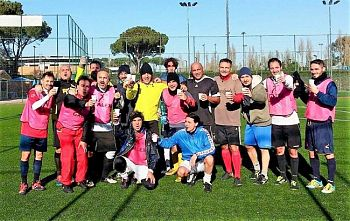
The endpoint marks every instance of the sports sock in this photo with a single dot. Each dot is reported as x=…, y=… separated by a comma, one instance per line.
x=37, y=169
x=24, y=166
x=226, y=157
x=281, y=159
x=236, y=161
x=107, y=167
x=294, y=164
x=331, y=169
x=167, y=158
x=207, y=178
x=257, y=166
x=315, y=165
x=57, y=157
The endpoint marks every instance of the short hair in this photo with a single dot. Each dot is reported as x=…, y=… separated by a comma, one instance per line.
x=319, y=62
x=136, y=114
x=83, y=78
x=104, y=70
x=274, y=60
x=96, y=62
x=225, y=60
x=48, y=74
x=65, y=65
x=173, y=60
x=195, y=117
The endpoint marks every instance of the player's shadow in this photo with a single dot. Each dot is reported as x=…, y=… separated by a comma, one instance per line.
x=7, y=148
x=125, y=203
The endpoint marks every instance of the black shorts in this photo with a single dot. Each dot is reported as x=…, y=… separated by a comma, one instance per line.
x=286, y=135
x=319, y=137
x=228, y=135
x=152, y=126
x=103, y=141
x=56, y=141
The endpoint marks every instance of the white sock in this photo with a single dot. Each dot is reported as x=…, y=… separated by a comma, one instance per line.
x=207, y=178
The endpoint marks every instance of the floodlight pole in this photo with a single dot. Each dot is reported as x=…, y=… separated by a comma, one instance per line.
x=188, y=5
x=330, y=57
x=243, y=45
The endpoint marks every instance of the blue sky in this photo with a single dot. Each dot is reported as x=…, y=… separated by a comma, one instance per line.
x=109, y=18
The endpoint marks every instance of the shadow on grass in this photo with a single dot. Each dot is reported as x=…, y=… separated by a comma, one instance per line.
x=7, y=149
x=125, y=203
x=10, y=117
x=68, y=205
x=326, y=214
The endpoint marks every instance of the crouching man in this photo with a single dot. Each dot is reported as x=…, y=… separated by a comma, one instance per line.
x=138, y=156
x=197, y=151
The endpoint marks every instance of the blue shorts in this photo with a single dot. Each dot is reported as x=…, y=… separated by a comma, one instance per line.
x=258, y=136
x=28, y=143
x=319, y=137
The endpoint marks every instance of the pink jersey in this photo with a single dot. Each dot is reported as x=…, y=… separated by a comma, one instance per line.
x=103, y=105
x=317, y=111
x=137, y=155
x=281, y=99
x=72, y=118
x=39, y=118
x=176, y=107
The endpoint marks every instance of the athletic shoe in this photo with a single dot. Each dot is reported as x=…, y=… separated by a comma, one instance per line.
x=170, y=172
x=280, y=180
x=237, y=181
x=83, y=185
x=315, y=184
x=109, y=180
x=261, y=179
x=329, y=188
x=37, y=186
x=125, y=184
x=58, y=180
x=178, y=179
x=90, y=183
x=255, y=175
x=191, y=179
x=67, y=189
x=226, y=176
x=23, y=189
x=207, y=187
x=294, y=185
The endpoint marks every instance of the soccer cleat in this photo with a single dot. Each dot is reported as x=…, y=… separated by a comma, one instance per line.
x=294, y=185
x=280, y=180
x=83, y=185
x=237, y=182
x=226, y=176
x=329, y=188
x=255, y=175
x=58, y=180
x=90, y=183
x=191, y=179
x=109, y=180
x=207, y=187
x=261, y=179
x=125, y=184
x=178, y=179
x=171, y=172
x=315, y=184
x=37, y=186
x=23, y=189
x=67, y=189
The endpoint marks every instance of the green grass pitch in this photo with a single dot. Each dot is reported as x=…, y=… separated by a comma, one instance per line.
x=170, y=200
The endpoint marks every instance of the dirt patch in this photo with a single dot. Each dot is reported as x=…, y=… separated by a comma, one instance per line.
x=15, y=101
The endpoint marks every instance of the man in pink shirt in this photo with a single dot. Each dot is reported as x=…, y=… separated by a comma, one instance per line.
x=35, y=119
x=138, y=155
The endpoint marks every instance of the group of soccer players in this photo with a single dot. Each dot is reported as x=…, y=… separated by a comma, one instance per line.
x=139, y=131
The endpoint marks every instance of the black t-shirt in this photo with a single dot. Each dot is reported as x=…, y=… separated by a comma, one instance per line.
x=203, y=108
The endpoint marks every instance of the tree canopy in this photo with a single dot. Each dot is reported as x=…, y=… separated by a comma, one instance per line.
x=13, y=40
x=139, y=42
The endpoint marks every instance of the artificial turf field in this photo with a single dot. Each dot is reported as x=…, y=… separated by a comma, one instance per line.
x=170, y=200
